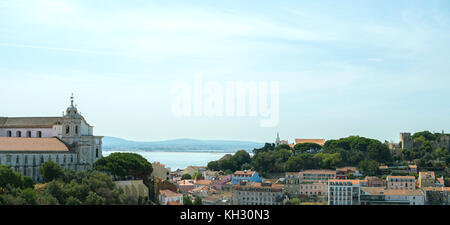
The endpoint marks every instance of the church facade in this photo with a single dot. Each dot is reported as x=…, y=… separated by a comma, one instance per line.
x=27, y=142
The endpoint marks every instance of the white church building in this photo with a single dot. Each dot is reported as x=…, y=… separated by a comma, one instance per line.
x=27, y=142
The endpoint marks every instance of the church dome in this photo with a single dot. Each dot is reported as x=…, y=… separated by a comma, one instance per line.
x=72, y=111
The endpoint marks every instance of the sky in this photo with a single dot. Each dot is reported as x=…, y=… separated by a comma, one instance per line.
x=369, y=68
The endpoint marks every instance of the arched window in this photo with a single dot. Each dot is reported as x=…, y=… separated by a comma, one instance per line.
x=28, y=134
x=67, y=129
x=9, y=133
x=76, y=130
x=19, y=134
x=39, y=134
x=96, y=152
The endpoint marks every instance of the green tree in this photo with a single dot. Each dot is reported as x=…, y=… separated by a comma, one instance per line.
x=30, y=196
x=186, y=176
x=9, y=176
x=198, y=176
x=94, y=199
x=369, y=167
x=73, y=201
x=187, y=200
x=47, y=199
x=50, y=171
x=122, y=165
x=294, y=201
x=304, y=147
x=241, y=157
x=214, y=166
x=198, y=201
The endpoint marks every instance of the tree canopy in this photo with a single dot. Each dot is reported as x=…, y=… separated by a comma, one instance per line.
x=239, y=161
x=122, y=165
x=50, y=171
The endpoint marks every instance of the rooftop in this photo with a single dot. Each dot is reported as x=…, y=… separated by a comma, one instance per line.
x=29, y=122
x=186, y=182
x=382, y=191
x=203, y=182
x=174, y=203
x=315, y=141
x=346, y=181
x=169, y=193
x=446, y=189
x=319, y=171
x=401, y=177
x=246, y=172
x=32, y=144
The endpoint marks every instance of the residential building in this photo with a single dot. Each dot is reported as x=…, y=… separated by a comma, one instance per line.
x=426, y=179
x=344, y=192
x=218, y=182
x=246, y=175
x=376, y=182
x=383, y=196
x=160, y=170
x=185, y=185
x=227, y=186
x=292, y=184
x=412, y=168
x=401, y=182
x=200, y=183
x=211, y=175
x=253, y=193
x=314, y=183
x=215, y=199
x=168, y=197
x=344, y=172
x=437, y=195
x=201, y=191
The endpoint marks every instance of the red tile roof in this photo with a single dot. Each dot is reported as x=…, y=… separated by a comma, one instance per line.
x=32, y=144
x=315, y=141
x=174, y=203
x=169, y=193
x=240, y=173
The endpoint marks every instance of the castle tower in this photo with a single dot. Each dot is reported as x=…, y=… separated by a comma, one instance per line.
x=406, y=141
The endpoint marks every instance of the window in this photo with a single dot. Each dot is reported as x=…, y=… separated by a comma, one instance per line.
x=67, y=129
x=18, y=134
x=96, y=152
x=76, y=130
x=9, y=133
x=39, y=134
x=28, y=134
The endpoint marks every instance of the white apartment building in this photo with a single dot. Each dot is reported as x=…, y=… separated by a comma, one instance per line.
x=258, y=194
x=344, y=192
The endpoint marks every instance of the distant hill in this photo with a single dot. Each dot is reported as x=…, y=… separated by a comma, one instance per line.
x=113, y=143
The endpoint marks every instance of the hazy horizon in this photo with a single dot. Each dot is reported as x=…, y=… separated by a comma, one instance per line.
x=367, y=68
